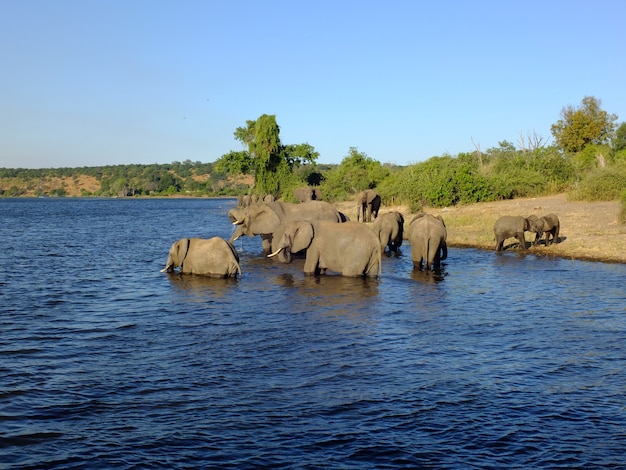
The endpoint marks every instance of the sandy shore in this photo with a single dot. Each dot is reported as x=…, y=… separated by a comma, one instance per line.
x=589, y=230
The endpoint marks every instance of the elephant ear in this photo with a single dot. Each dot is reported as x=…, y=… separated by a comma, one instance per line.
x=179, y=251
x=233, y=250
x=263, y=220
x=302, y=236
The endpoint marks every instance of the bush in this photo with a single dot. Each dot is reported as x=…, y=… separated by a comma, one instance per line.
x=602, y=184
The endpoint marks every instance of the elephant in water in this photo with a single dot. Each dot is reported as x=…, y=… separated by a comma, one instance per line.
x=514, y=226
x=214, y=257
x=350, y=248
x=428, y=235
x=550, y=225
x=390, y=230
x=270, y=219
x=367, y=205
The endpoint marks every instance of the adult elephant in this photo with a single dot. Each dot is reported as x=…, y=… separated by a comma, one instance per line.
x=308, y=193
x=350, y=248
x=514, y=226
x=389, y=228
x=244, y=200
x=367, y=205
x=550, y=225
x=213, y=257
x=269, y=220
x=428, y=235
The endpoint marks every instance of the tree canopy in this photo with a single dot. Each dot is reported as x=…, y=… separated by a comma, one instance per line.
x=272, y=163
x=587, y=124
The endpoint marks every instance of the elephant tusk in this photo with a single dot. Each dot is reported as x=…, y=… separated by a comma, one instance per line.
x=238, y=222
x=271, y=255
x=164, y=270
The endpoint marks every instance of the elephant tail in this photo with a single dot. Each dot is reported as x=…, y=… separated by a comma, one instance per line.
x=426, y=253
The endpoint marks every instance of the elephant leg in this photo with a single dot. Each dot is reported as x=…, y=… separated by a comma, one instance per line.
x=522, y=240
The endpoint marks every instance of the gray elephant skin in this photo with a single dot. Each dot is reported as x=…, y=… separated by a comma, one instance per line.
x=367, y=205
x=428, y=236
x=390, y=230
x=214, y=257
x=550, y=226
x=270, y=219
x=350, y=248
x=514, y=226
x=308, y=193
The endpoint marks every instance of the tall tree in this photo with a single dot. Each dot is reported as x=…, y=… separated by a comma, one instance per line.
x=579, y=127
x=271, y=169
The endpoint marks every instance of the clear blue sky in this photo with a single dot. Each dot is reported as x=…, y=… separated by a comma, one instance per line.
x=99, y=82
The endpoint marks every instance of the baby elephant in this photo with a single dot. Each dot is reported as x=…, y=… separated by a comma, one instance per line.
x=390, y=230
x=550, y=225
x=214, y=257
x=512, y=226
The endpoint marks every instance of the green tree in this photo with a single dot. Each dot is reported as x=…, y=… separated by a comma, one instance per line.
x=579, y=127
x=619, y=141
x=236, y=163
x=356, y=172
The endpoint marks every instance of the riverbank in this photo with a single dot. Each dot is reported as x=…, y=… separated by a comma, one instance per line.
x=589, y=230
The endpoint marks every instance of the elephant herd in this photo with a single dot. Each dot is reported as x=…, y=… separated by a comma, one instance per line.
x=328, y=240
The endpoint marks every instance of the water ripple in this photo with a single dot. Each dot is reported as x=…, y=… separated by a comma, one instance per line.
x=500, y=361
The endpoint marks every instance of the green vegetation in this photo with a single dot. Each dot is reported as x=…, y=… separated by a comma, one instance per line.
x=588, y=160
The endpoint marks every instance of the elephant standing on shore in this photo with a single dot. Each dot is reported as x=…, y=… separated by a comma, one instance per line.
x=367, y=205
x=428, y=235
x=269, y=220
x=214, y=257
x=350, y=248
x=390, y=230
x=514, y=226
x=550, y=225
x=308, y=193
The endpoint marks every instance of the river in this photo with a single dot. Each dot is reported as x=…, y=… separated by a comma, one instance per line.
x=502, y=361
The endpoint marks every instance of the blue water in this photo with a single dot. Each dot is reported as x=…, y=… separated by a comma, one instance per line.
x=503, y=361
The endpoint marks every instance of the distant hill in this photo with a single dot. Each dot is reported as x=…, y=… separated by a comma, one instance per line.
x=176, y=179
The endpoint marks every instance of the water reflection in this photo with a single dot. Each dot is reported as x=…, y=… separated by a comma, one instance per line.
x=202, y=286
x=332, y=292
x=429, y=276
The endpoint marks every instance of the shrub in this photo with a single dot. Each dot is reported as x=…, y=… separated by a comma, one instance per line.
x=601, y=184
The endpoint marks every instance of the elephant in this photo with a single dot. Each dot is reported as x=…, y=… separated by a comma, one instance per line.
x=350, y=248
x=269, y=220
x=214, y=257
x=367, y=205
x=308, y=193
x=246, y=200
x=390, y=230
x=427, y=234
x=550, y=225
x=514, y=226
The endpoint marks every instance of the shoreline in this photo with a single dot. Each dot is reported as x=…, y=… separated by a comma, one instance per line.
x=590, y=231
